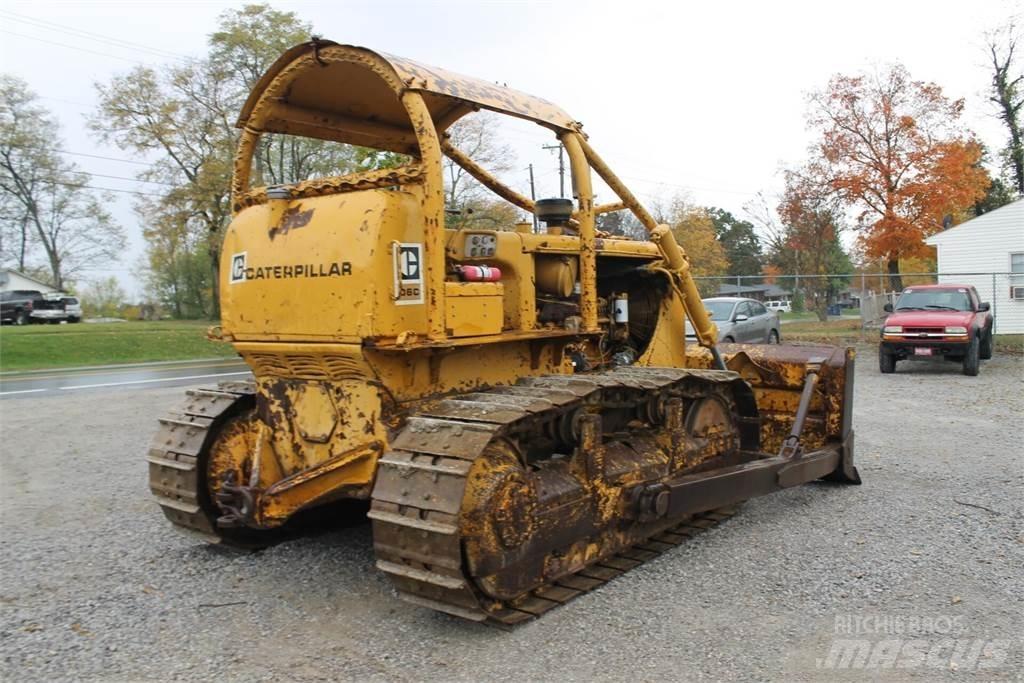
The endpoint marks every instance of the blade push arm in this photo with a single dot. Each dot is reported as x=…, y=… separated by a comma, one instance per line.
x=674, y=255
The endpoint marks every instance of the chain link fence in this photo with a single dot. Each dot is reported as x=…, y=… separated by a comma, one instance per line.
x=864, y=295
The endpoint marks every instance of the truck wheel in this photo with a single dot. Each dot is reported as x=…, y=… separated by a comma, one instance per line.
x=886, y=362
x=21, y=319
x=773, y=337
x=986, y=347
x=972, y=358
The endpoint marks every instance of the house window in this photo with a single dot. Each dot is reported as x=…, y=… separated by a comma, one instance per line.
x=1017, y=276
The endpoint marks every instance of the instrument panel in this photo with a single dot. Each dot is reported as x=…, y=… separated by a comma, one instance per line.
x=480, y=245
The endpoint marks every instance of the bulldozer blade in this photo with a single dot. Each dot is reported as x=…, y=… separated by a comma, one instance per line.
x=801, y=390
x=709, y=490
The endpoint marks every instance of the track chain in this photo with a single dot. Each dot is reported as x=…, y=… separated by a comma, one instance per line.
x=421, y=481
x=174, y=476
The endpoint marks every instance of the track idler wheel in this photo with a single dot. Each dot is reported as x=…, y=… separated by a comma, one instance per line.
x=231, y=500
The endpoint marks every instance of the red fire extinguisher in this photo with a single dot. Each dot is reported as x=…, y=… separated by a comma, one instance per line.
x=478, y=273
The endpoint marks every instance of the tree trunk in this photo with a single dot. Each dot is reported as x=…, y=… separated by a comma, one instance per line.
x=819, y=304
x=1016, y=147
x=52, y=256
x=176, y=294
x=49, y=246
x=24, y=245
x=895, y=280
x=1017, y=159
x=1004, y=97
x=215, y=272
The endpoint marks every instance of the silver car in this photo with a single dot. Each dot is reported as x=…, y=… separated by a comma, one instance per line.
x=73, y=307
x=740, y=320
x=57, y=307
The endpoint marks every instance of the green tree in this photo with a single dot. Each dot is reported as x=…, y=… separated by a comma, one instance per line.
x=247, y=43
x=738, y=238
x=179, y=276
x=182, y=116
x=998, y=194
x=103, y=297
x=49, y=217
x=797, y=303
x=249, y=40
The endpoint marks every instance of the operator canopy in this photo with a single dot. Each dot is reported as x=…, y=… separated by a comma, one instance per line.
x=351, y=94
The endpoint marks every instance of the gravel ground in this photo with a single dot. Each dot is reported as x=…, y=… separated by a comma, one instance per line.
x=94, y=585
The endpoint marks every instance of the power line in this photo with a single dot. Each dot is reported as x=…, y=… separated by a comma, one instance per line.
x=82, y=105
x=102, y=189
x=112, y=177
x=91, y=156
x=73, y=47
x=100, y=156
x=89, y=35
x=119, y=177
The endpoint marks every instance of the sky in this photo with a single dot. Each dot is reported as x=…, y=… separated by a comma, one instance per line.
x=706, y=100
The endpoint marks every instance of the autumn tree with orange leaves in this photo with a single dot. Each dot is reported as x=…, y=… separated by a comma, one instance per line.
x=694, y=229
x=805, y=243
x=893, y=151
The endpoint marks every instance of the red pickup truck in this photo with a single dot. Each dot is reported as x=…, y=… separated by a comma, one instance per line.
x=937, y=321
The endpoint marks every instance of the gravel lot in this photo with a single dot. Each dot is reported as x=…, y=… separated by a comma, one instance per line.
x=94, y=585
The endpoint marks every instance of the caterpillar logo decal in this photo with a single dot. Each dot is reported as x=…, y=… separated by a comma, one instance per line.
x=240, y=271
x=408, y=273
x=238, y=267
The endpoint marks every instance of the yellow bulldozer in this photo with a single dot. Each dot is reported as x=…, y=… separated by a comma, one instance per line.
x=518, y=406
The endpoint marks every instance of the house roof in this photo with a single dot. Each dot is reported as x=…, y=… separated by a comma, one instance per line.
x=4, y=278
x=1013, y=210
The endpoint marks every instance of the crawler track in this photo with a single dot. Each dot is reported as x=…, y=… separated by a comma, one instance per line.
x=417, y=502
x=175, y=456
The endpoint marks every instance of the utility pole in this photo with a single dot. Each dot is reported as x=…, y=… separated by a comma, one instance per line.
x=561, y=166
x=533, y=196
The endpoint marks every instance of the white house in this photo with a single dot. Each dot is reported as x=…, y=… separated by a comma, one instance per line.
x=990, y=250
x=12, y=279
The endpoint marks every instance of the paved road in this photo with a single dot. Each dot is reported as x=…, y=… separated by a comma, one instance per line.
x=138, y=376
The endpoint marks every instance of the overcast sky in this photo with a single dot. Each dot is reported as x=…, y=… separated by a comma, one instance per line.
x=705, y=99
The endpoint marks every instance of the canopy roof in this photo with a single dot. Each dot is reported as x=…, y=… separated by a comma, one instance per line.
x=351, y=94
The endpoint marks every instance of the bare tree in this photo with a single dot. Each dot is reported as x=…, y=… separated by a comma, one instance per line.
x=1007, y=93
x=47, y=209
x=467, y=201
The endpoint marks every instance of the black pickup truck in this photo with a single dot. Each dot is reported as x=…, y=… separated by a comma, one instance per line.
x=18, y=306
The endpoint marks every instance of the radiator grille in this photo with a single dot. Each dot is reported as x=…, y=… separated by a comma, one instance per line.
x=307, y=366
